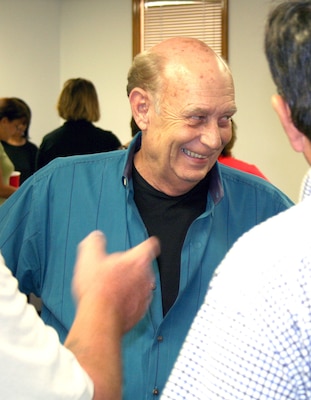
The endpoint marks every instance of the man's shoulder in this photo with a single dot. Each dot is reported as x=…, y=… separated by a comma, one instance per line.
x=241, y=177
x=283, y=235
x=89, y=163
x=285, y=229
x=249, y=184
x=275, y=250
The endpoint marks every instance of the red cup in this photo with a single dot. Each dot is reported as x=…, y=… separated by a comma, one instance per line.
x=15, y=178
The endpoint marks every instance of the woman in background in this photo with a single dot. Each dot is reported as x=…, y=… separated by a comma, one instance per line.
x=20, y=150
x=12, y=117
x=78, y=105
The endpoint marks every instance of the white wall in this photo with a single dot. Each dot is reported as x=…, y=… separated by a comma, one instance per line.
x=29, y=49
x=45, y=42
x=96, y=44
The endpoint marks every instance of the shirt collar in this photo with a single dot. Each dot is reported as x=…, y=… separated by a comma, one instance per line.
x=134, y=146
x=216, y=187
x=305, y=189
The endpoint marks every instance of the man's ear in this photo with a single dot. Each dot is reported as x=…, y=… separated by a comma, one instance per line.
x=139, y=101
x=296, y=138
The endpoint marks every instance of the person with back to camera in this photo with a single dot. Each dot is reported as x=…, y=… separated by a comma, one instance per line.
x=20, y=150
x=251, y=338
x=78, y=105
x=12, y=117
x=167, y=184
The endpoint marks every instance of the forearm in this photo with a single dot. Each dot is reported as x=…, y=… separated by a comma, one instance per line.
x=97, y=352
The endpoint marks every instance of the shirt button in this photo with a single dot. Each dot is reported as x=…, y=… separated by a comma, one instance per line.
x=160, y=338
x=155, y=392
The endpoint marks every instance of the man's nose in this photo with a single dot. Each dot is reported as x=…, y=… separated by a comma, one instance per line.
x=210, y=136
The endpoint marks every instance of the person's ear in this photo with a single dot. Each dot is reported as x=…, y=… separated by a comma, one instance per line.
x=296, y=138
x=140, y=105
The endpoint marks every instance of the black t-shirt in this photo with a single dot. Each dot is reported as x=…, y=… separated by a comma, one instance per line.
x=168, y=218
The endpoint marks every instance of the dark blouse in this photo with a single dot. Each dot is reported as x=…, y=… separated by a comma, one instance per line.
x=75, y=138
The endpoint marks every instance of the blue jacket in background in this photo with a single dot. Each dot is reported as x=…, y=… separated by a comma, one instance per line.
x=42, y=223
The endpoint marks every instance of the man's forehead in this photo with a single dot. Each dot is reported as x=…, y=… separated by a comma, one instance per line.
x=199, y=80
x=223, y=107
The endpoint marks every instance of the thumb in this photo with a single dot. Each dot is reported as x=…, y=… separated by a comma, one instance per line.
x=92, y=246
x=147, y=250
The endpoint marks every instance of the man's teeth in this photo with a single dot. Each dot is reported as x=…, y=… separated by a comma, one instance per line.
x=192, y=154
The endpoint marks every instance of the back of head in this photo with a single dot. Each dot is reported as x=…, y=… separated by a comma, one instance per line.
x=78, y=100
x=12, y=108
x=288, y=50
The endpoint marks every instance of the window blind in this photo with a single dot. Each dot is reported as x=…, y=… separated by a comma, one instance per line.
x=200, y=19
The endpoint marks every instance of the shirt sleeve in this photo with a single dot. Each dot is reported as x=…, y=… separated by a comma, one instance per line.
x=33, y=363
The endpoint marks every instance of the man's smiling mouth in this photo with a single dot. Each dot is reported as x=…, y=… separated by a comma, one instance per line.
x=192, y=154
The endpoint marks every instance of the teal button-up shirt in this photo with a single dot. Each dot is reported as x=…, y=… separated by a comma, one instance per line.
x=42, y=223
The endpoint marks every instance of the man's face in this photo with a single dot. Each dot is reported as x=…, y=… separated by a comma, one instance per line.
x=193, y=124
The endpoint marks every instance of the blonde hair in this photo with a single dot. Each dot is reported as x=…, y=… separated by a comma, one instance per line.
x=78, y=100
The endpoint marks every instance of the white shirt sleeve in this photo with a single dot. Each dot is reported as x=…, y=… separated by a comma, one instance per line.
x=33, y=363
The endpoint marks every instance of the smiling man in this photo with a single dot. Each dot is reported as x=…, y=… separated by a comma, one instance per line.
x=187, y=121
x=168, y=183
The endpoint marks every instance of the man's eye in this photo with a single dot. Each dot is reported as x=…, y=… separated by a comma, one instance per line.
x=197, y=118
x=225, y=121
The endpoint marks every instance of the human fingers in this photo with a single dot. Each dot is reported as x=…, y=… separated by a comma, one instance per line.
x=139, y=281
x=145, y=252
x=91, y=251
x=94, y=245
x=140, y=259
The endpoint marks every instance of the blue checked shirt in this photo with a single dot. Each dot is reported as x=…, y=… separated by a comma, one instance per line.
x=251, y=339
